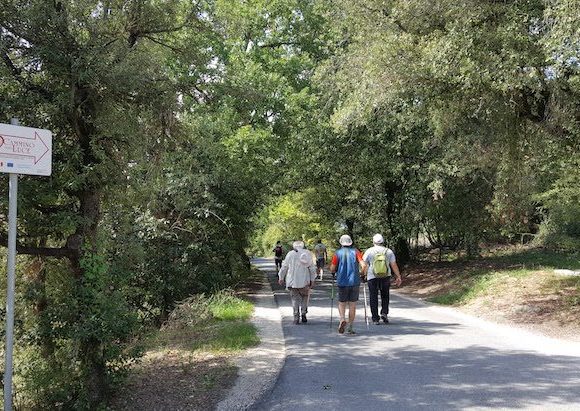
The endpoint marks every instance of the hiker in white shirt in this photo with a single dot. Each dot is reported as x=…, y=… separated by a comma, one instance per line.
x=299, y=273
x=380, y=281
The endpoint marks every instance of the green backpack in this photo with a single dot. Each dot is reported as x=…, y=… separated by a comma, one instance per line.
x=380, y=266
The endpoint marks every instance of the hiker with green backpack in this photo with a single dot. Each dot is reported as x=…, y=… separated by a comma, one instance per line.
x=380, y=263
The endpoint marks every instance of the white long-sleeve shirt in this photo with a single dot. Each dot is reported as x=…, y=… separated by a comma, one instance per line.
x=298, y=269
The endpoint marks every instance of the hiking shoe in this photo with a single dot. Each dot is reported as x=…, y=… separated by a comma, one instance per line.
x=296, y=320
x=341, y=327
x=384, y=318
x=376, y=322
x=350, y=331
x=304, y=320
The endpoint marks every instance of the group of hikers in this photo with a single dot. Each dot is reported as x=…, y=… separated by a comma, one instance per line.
x=349, y=267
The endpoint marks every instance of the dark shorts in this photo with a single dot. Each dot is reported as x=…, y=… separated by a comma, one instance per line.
x=348, y=294
x=320, y=262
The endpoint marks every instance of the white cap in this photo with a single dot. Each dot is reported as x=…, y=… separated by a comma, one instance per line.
x=345, y=240
x=378, y=239
x=298, y=245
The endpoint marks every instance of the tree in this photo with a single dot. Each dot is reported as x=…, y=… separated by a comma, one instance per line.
x=89, y=71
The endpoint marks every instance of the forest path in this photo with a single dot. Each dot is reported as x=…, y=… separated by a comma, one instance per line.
x=428, y=357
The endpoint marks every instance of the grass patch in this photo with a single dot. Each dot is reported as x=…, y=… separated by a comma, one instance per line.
x=226, y=336
x=227, y=307
x=568, y=288
x=451, y=298
x=520, y=262
x=488, y=278
x=468, y=286
x=512, y=286
x=214, y=323
x=188, y=362
x=535, y=258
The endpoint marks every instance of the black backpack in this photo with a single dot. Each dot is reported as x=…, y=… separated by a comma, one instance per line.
x=278, y=251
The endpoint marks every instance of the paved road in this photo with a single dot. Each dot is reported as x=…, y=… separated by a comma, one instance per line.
x=428, y=358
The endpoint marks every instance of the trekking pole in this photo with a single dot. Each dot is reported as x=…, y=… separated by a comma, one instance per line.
x=331, y=300
x=365, y=296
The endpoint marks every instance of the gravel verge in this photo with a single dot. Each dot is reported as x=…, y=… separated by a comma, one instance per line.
x=260, y=366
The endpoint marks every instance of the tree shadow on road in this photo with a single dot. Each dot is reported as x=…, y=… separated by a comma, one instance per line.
x=415, y=378
x=374, y=371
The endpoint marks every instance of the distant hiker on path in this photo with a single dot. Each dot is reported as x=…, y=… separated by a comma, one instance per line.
x=380, y=263
x=299, y=274
x=278, y=255
x=321, y=257
x=346, y=263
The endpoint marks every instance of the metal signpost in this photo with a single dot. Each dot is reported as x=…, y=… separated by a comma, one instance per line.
x=23, y=150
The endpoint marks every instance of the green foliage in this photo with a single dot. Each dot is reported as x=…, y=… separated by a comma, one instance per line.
x=288, y=218
x=562, y=205
x=144, y=205
x=456, y=211
x=453, y=106
x=59, y=315
x=48, y=383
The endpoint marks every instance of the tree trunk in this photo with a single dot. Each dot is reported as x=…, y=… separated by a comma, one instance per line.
x=471, y=245
x=350, y=227
x=402, y=252
x=37, y=272
x=91, y=349
x=95, y=371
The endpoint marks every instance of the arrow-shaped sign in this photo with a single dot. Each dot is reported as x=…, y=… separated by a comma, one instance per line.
x=19, y=146
x=25, y=150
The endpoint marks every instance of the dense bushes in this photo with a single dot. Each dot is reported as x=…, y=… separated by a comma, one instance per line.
x=145, y=206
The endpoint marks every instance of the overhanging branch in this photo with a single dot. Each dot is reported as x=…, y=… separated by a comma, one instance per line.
x=62, y=252
x=17, y=75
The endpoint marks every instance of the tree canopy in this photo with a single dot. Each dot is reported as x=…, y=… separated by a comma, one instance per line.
x=187, y=133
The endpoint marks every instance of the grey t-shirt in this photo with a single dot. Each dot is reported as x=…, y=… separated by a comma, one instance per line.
x=319, y=250
x=369, y=256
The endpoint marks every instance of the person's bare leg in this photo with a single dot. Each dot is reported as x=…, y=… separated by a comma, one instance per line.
x=351, y=312
x=341, y=312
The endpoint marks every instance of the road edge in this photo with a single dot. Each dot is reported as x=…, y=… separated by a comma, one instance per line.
x=259, y=367
x=513, y=332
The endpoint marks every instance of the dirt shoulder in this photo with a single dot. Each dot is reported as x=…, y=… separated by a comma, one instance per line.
x=176, y=379
x=188, y=367
x=503, y=291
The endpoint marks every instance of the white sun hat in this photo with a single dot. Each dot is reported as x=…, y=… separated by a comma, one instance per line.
x=378, y=239
x=345, y=240
x=298, y=245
